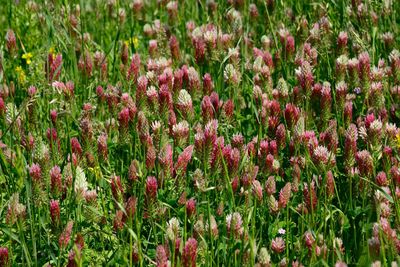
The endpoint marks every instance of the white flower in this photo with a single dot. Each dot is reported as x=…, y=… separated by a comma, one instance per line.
x=173, y=229
x=184, y=98
x=81, y=185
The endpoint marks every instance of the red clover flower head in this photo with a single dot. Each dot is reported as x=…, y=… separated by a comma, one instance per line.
x=278, y=245
x=191, y=207
x=66, y=235
x=4, y=257
x=35, y=172
x=55, y=211
x=151, y=187
x=189, y=253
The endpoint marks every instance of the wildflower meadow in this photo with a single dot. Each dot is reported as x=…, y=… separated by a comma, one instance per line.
x=200, y=133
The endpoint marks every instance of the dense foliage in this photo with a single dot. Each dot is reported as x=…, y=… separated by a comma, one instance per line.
x=199, y=133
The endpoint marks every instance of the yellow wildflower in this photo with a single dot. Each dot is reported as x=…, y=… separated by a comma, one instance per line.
x=135, y=42
x=21, y=74
x=132, y=40
x=52, y=50
x=398, y=140
x=96, y=171
x=27, y=57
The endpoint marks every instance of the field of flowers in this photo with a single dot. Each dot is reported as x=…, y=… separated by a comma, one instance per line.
x=199, y=133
